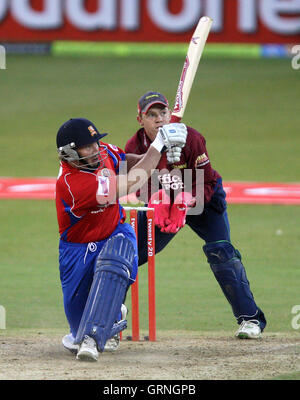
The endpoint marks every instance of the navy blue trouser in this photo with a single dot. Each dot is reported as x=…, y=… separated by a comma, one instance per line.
x=212, y=226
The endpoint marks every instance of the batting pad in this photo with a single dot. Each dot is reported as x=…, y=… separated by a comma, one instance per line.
x=108, y=290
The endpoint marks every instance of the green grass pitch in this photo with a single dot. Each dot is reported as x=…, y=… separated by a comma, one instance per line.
x=248, y=111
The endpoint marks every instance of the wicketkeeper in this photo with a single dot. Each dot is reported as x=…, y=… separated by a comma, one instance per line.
x=204, y=209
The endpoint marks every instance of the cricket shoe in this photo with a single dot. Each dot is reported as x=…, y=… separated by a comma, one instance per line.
x=249, y=330
x=113, y=343
x=68, y=343
x=88, y=350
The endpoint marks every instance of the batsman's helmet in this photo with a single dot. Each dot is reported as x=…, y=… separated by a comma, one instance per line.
x=75, y=133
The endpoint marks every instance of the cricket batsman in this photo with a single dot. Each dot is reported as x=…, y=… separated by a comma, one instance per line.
x=97, y=249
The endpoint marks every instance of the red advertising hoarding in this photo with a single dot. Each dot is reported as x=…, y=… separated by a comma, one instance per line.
x=236, y=192
x=235, y=21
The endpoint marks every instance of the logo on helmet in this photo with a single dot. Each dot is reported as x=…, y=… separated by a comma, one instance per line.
x=92, y=130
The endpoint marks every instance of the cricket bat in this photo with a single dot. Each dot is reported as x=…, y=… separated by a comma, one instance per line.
x=190, y=66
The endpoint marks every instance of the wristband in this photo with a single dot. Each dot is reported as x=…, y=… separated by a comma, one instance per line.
x=158, y=143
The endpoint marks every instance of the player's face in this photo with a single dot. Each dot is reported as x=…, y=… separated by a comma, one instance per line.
x=154, y=119
x=90, y=152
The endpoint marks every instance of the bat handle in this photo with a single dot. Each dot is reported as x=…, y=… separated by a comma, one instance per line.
x=174, y=118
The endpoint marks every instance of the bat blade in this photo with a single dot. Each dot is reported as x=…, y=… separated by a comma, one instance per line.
x=190, y=66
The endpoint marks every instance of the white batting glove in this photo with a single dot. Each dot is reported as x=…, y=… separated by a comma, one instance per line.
x=170, y=135
x=173, y=135
x=174, y=154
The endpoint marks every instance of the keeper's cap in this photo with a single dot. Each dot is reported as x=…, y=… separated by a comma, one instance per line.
x=149, y=99
x=79, y=132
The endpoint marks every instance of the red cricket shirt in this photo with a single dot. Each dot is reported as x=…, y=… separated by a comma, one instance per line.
x=81, y=218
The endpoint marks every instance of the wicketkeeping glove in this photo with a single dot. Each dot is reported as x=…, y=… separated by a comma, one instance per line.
x=160, y=201
x=173, y=154
x=178, y=212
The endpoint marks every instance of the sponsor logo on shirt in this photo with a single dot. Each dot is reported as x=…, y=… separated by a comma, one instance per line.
x=169, y=181
x=181, y=166
x=103, y=186
x=201, y=160
x=115, y=148
x=105, y=172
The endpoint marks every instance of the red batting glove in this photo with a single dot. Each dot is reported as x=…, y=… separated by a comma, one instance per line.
x=178, y=212
x=161, y=202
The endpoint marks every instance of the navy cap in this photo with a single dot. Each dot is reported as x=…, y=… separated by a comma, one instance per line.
x=79, y=131
x=149, y=99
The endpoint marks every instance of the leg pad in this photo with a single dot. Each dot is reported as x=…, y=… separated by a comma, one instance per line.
x=225, y=262
x=108, y=290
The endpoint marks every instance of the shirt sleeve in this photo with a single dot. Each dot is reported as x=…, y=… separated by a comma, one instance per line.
x=117, y=155
x=129, y=147
x=134, y=144
x=199, y=160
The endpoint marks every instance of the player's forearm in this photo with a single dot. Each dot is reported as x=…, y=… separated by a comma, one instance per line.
x=168, y=136
x=140, y=173
x=132, y=159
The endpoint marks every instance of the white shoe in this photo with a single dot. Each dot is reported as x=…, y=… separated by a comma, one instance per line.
x=249, y=330
x=113, y=343
x=88, y=350
x=68, y=343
